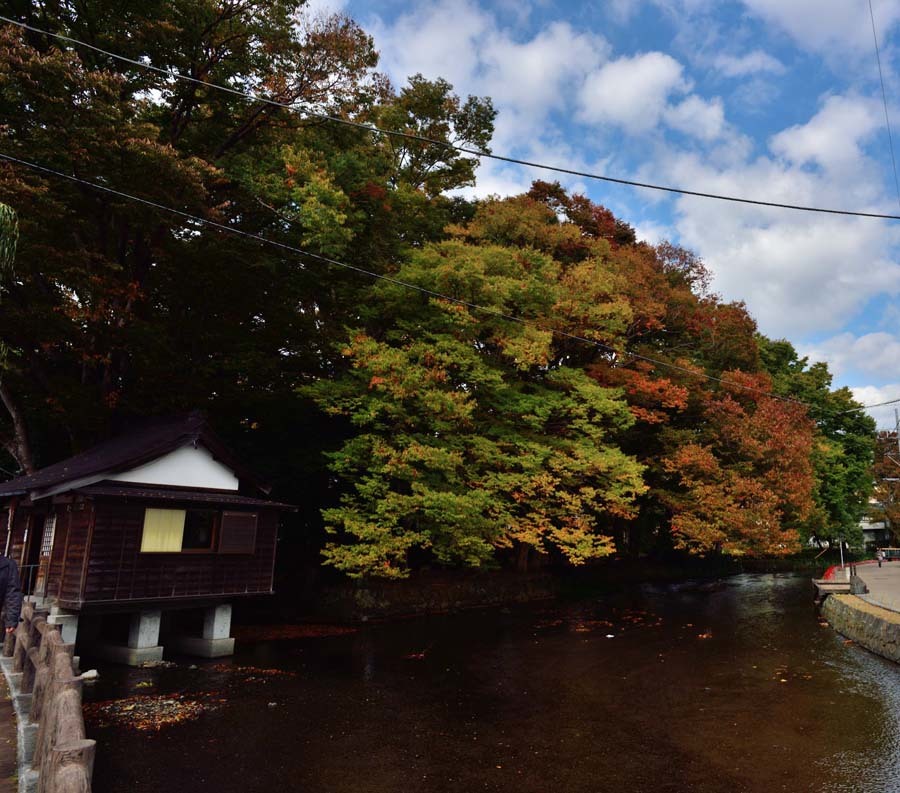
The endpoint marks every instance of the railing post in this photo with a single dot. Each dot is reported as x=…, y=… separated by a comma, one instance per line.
x=63, y=756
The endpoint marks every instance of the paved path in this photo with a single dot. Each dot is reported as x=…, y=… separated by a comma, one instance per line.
x=9, y=766
x=883, y=583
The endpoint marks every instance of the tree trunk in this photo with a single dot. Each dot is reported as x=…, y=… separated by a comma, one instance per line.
x=19, y=447
x=522, y=555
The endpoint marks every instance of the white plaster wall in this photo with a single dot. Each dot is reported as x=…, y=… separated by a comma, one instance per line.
x=185, y=467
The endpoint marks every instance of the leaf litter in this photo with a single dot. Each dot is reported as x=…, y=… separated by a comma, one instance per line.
x=154, y=712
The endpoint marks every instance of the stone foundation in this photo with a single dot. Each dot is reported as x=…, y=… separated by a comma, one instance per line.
x=144, y=644
x=875, y=628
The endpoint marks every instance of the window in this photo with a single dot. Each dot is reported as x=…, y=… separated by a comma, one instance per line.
x=185, y=530
x=49, y=532
x=163, y=530
x=238, y=533
x=199, y=530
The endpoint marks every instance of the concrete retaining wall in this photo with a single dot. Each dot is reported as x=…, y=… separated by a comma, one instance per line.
x=872, y=627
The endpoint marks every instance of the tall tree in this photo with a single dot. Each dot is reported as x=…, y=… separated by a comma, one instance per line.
x=844, y=445
x=17, y=443
x=472, y=436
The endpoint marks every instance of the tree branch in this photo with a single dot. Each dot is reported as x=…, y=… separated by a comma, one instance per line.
x=20, y=448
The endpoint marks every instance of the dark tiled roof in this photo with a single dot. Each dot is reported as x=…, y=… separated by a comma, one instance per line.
x=220, y=497
x=146, y=442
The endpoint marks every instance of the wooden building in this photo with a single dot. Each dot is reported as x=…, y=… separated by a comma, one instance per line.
x=159, y=519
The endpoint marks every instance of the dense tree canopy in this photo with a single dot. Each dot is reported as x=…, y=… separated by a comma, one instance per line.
x=532, y=382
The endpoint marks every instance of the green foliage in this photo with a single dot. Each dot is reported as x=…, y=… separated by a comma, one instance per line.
x=845, y=442
x=453, y=436
x=9, y=237
x=470, y=440
x=430, y=109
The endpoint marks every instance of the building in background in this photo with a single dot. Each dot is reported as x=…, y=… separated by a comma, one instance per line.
x=150, y=534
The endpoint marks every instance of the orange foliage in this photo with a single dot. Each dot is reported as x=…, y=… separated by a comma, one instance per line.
x=747, y=488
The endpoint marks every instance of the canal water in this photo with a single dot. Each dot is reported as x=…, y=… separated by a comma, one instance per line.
x=736, y=687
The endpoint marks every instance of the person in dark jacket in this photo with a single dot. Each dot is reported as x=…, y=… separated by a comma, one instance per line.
x=12, y=592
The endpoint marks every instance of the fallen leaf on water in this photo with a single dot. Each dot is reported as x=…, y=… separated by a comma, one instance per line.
x=146, y=713
x=416, y=656
x=252, y=673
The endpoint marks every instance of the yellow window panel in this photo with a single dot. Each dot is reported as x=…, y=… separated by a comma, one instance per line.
x=163, y=530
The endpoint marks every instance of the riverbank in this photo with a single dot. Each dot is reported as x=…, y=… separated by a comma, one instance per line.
x=872, y=619
x=429, y=592
x=869, y=625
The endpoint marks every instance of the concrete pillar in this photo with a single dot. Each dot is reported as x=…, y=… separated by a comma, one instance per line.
x=215, y=641
x=217, y=622
x=143, y=641
x=144, y=629
x=67, y=621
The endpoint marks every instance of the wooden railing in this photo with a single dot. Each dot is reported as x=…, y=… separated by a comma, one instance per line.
x=42, y=667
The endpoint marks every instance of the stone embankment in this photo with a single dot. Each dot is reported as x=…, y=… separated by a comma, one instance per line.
x=870, y=626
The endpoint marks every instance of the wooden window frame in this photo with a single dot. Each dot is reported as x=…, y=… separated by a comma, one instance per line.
x=46, y=550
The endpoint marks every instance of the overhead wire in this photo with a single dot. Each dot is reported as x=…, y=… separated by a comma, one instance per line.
x=388, y=278
x=462, y=149
x=423, y=290
x=312, y=114
x=866, y=407
x=887, y=119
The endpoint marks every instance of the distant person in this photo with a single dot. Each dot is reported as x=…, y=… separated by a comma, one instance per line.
x=879, y=555
x=12, y=589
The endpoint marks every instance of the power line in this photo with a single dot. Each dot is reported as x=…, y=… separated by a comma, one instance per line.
x=876, y=405
x=443, y=144
x=430, y=292
x=887, y=119
x=397, y=281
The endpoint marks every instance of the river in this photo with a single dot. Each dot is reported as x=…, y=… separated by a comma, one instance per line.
x=656, y=689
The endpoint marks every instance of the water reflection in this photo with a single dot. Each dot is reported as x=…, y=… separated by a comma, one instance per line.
x=728, y=688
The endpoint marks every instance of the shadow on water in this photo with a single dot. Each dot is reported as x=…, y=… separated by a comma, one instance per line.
x=658, y=689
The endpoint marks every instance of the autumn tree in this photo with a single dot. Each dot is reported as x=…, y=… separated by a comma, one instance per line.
x=885, y=504
x=746, y=483
x=114, y=297
x=843, y=448
x=472, y=436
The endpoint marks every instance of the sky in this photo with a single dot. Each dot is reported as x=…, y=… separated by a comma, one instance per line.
x=776, y=100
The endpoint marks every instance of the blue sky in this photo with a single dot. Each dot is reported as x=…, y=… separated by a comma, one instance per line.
x=771, y=99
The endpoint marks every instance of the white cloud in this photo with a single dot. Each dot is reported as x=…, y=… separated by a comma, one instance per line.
x=873, y=395
x=798, y=272
x=872, y=354
x=621, y=11
x=438, y=39
x=324, y=7
x=751, y=63
x=653, y=233
x=632, y=92
x=832, y=138
x=531, y=75
x=697, y=117
x=828, y=26
x=527, y=79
